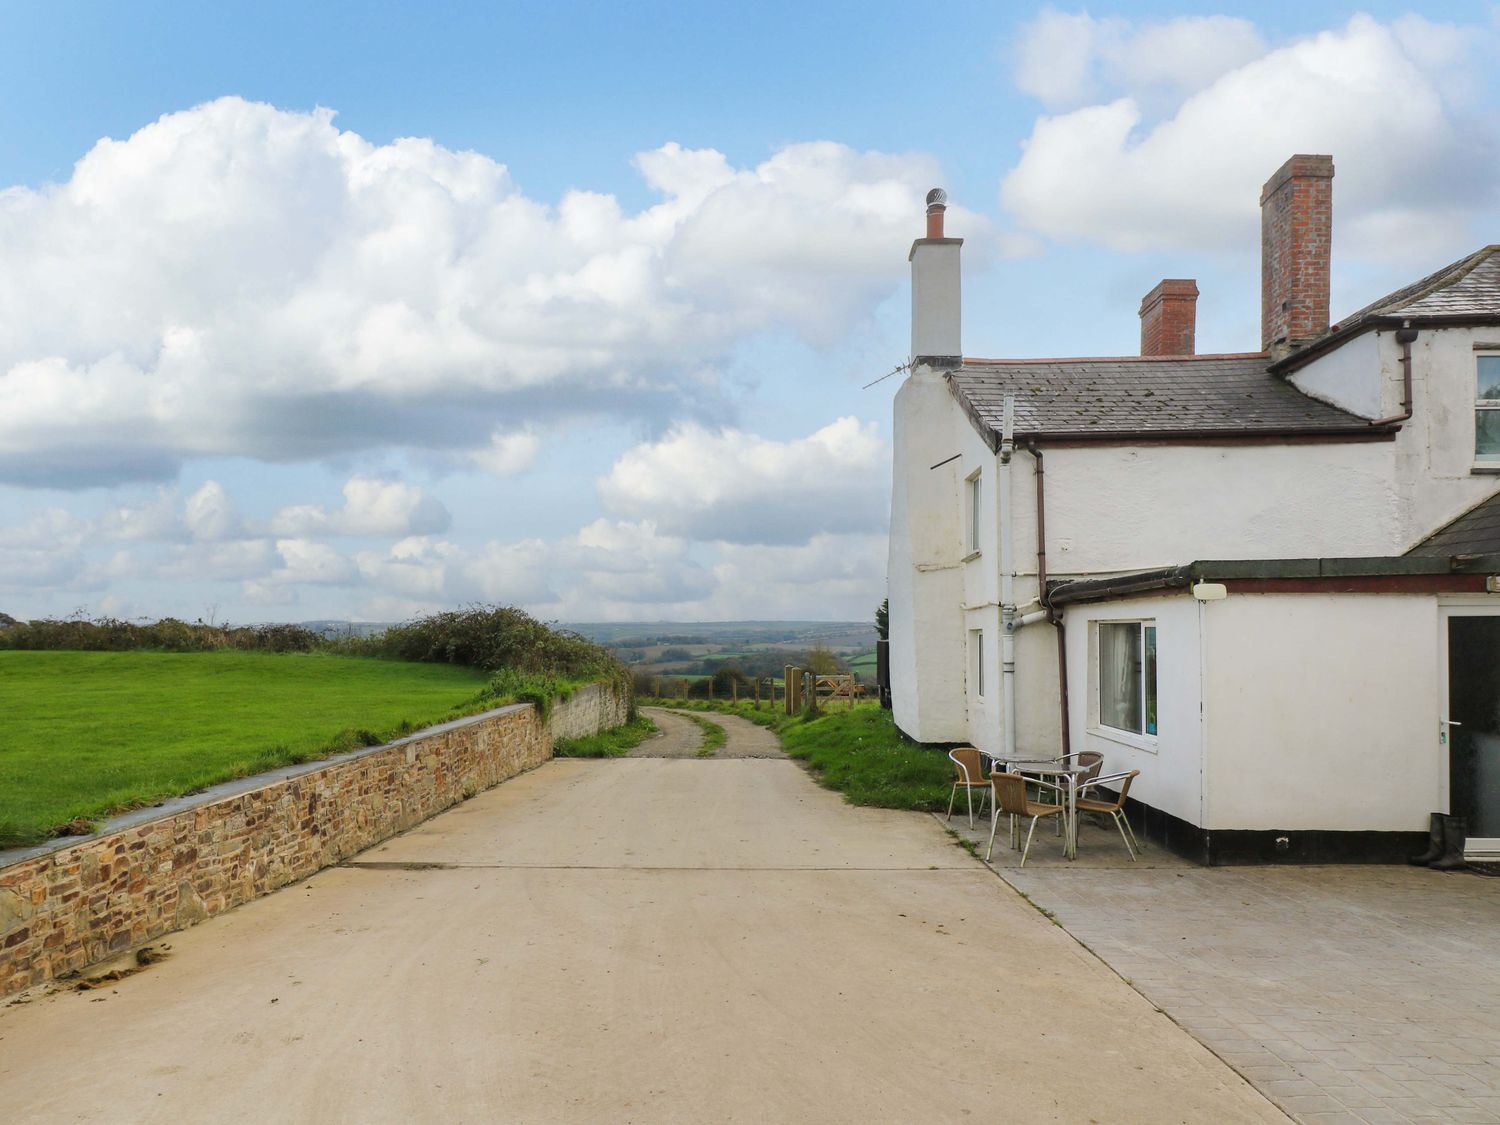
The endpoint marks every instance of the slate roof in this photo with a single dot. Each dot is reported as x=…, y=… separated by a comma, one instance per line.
x=1476, y=532
x=1156, y=398
x=1469, y=287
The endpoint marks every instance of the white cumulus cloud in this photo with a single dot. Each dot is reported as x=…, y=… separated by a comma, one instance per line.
x=235, y=279
x=1387, y=100
x=372, y=508
x=743, y=488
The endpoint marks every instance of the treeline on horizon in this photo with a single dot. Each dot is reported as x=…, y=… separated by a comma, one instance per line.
x=489, y=638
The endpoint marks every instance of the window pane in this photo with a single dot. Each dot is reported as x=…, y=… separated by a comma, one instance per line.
x=1487, y=433
x=1149, y=676
x=1120, y=676
x=974, y=503
x=1489, y=378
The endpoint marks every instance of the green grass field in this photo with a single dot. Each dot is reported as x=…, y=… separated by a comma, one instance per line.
x=85, y=734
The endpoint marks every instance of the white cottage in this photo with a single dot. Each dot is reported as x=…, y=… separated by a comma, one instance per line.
x=1263, y=579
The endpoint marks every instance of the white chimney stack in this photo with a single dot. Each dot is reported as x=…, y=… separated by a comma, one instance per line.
x=935, y=293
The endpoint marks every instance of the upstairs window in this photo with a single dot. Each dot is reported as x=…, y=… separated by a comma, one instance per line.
x=974, y=504
x=1487, y=411
x=1127, y=676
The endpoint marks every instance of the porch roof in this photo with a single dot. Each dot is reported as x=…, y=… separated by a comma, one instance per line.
x=1353, y=575
x=1476, y=532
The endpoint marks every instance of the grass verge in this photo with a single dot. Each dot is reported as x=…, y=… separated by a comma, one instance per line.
x=714, y=736
x=614, y=743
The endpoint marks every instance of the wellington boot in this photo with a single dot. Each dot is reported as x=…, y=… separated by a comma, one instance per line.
x=1455, y=832
x=1434, y=843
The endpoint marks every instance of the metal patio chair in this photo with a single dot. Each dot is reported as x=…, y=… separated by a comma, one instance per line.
x=1010, y=796
x=1115, y=808
x=968, y=775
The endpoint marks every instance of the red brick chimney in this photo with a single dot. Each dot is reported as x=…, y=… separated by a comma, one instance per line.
x=1169, y=318
x=937, y=204
x=1296, y=230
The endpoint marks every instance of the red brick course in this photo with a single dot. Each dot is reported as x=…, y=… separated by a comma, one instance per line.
x=1169, y=318
x=67, y=909
x=1296, y=240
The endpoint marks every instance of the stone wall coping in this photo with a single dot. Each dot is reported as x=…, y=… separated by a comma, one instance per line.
x=240, y=786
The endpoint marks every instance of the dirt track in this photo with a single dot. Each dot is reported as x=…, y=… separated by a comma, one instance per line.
x=629, y=940
x=680, y=737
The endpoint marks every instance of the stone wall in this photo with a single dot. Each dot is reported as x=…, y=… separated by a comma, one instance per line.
x=68, y=904
x=590, y=709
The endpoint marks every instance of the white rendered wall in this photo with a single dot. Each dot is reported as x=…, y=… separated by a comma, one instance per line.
x=1121, y=508
x=1322, y=712
x=936, y=305
x=928, y=642
x=1432, y=470
x=1353, y=376
x=1171, y=763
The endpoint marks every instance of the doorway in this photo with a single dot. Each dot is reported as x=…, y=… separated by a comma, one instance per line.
x=1473, y=726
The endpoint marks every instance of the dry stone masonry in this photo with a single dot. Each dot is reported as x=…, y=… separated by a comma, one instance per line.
x=66, y=906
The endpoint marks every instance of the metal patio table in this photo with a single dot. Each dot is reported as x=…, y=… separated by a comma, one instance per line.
x=1050, y=767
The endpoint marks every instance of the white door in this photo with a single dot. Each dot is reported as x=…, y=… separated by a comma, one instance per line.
x=1470, y=725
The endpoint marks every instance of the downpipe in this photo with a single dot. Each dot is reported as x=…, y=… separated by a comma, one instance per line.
x=1008, y=616
x=1405, y=336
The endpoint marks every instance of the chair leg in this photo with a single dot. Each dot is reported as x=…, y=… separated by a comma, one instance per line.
x=994, y=825
x=969, y=796
x=1129, y=828
x=1027, y=849
x=1120, y=825
x=953, y=796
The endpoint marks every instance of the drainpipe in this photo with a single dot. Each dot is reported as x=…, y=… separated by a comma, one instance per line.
x=1053, y=613
x=1405, y=335
x=1007, y=581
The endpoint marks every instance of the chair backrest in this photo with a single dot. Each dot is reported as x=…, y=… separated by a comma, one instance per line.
x=1124, y=780
x=1092, y=762
x=967, y=764
x=1010, y=792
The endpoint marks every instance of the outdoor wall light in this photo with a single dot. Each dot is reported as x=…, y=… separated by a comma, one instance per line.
x=1492, y=583
x=1210, y=591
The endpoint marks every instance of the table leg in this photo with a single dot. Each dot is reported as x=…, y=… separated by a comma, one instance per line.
x=1071, y=850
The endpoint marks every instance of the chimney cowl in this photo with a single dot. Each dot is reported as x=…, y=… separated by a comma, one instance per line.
x=937, y=203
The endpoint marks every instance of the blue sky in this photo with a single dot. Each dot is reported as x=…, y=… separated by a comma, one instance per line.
x=266, y=360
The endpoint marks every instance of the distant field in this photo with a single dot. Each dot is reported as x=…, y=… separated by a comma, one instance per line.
x=865, y=662
x=83, y=734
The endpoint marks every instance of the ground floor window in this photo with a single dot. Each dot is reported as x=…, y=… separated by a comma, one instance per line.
x=1127, y=676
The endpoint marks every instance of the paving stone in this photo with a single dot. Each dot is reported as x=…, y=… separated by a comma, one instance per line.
x=1378, y=987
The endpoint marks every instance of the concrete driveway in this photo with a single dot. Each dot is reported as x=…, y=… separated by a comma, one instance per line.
x=648, y=940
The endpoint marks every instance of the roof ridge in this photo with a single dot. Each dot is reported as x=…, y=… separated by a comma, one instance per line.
x=1444, y=278
x=976, y=360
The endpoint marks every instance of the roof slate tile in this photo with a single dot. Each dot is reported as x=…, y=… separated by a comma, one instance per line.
x=1235, y=394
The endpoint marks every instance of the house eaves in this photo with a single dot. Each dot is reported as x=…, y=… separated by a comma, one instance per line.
x=1376, y=574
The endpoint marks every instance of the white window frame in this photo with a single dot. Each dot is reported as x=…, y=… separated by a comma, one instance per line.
x=973, y=508
x=976, y=660
x=1142, y=739
x=1486, y=461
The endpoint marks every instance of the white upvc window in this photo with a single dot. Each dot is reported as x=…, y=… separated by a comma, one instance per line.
x=976, y=660
x=1487, y=410
x=1127, y=676
x=974, y=505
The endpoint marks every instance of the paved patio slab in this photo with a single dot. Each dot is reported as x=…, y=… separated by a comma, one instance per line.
x=1346, y=994
x=645, y=940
